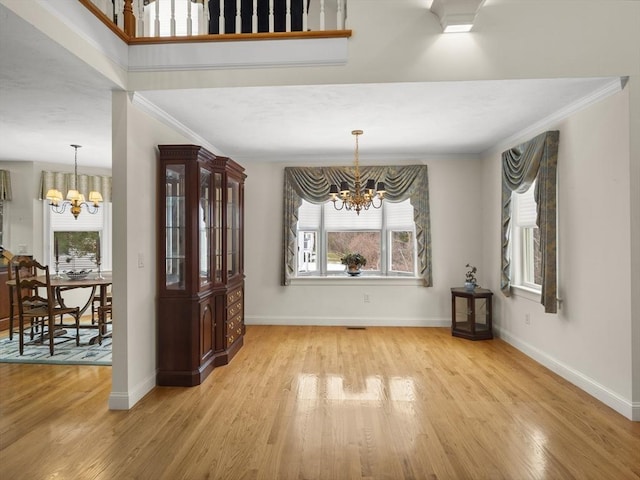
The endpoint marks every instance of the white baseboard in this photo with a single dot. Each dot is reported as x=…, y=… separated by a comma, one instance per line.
x=630, y=410
x=126, y=400
x=347, y=321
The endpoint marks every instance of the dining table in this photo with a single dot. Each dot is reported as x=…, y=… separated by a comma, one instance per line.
x=94, y=281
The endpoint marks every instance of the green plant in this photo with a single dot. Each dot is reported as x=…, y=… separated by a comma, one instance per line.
x=353, y=259
x=470, y=276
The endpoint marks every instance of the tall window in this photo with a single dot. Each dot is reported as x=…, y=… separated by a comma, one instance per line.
x=385, y=237
x=527, y=258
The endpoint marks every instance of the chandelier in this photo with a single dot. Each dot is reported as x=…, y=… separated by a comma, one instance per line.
x=74, y=199
x=360, y=198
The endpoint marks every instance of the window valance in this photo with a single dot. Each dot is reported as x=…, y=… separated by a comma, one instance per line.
x=63, y=181
x=536, y=160
x=5, y=185
x=312, y=184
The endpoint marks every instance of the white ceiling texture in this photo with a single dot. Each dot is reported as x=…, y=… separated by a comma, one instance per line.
x=50, y=99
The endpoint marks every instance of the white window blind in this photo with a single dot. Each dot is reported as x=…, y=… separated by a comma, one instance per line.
x=348, y=220
x=526, y=208
x=399, y=215
x=85, y=222
x=309, y=216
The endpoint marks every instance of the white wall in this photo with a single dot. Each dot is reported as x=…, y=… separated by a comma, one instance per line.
x=587, y=342
x=136, y=136
x=456, y=240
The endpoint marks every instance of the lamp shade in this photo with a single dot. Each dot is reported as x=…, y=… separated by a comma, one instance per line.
x=95, y=197
x=73, y=195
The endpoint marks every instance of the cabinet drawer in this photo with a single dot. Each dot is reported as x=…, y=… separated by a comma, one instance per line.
x=234, y=296
x=235, y=309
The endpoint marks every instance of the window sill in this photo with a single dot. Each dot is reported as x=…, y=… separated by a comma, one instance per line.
x=362, y=280
x=526, y=293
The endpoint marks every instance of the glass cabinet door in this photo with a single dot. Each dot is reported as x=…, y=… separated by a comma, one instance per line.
x=205, y=227
x=175, y=227
x=217, y=226
x=233, y=227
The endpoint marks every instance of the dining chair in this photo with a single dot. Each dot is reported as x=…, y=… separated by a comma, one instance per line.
x=37, y=302
x=13, y=298
x=96, y=302
x=105, y=318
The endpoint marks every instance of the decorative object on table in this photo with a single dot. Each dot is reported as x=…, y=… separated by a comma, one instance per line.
x=353, y=261
x=361, y=198
x=98, y=258
x=56, y=254
x=471, y=282
x=74, y=198
x=77, y=275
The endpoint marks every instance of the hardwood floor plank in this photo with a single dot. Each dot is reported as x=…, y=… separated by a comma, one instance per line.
x=321, y=403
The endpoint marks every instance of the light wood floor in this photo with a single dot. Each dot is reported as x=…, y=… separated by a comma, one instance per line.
x=321, y=403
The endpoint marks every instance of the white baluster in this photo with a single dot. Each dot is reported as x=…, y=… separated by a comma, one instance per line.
x=172, y=22
x=189, y=26
x=305, y=16
x=238, y=16
x=322, y=15
x=254, y=17
x=340, y=16
x=271, y=19
x=119, y=10
x=138, y=6
x=156, y=22
x=345, y=16
x=288, y=16
x=204, y=19
x=221, y=18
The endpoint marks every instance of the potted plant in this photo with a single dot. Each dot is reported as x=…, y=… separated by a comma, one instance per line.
x=471, y=282
x=353, y=261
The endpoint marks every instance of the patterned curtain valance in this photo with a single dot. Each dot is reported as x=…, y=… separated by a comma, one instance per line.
x=536, y=159
x=63, y=181
x=312, y=184
x=5, y=185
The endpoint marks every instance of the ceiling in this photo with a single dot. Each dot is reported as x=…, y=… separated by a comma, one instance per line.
x=50, y=99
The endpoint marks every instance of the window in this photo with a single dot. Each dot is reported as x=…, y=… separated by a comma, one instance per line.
x=76, y=241
x=385, y=237
x=527, y=258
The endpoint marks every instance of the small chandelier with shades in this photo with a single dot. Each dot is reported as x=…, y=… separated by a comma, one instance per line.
x=74, y=199
x=360, y=198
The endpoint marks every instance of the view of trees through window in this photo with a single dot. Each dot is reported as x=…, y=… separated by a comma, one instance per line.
x=76, y=250
x=402, y=251
x=365, y=243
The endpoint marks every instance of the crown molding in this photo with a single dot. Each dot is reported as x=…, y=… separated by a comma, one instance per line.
x=614, y=86
x=156, y=112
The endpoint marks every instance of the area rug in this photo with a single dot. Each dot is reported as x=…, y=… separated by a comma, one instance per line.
x=65, y=350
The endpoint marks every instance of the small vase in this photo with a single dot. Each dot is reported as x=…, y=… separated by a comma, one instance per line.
x=469, y=286
x=353, y=270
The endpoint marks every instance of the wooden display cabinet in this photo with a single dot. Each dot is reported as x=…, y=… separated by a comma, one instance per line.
x=200, y=263
x=471, y=313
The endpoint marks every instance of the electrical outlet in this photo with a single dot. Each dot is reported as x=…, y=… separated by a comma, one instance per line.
x=367, y=299
x=140, y=260
x=527, y=319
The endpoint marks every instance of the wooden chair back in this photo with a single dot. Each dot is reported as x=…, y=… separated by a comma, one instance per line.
x=37, y=301
x=13, y=298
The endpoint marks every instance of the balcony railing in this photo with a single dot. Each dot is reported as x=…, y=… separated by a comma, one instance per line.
x=151, y=21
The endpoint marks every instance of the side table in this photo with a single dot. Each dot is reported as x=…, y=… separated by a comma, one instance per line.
x=471, y=313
